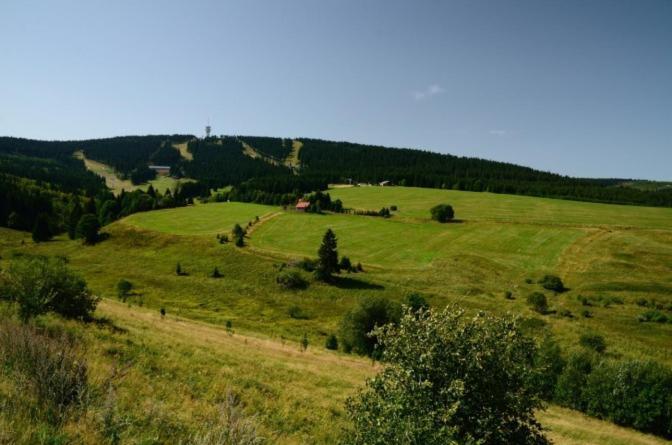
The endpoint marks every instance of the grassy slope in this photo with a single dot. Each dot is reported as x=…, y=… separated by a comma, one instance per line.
x=593, y=257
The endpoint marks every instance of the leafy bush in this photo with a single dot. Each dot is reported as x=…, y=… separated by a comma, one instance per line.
x=508, y=295
x=416, y=302
x=52, y=369
x=124, y=288
x=653, y=316
x=538, y=302
x=449, y=379
x=358, y=323
x=549, y=364
x=297, y=313
x=552, y=282
x=331, y=342
x=216, y=273
x=290, y=279
x=307, y=264
x=594, y=342
x=393, y=208
x=345, y=264
x=42, y=284
x=442, y=213
x=587, y=314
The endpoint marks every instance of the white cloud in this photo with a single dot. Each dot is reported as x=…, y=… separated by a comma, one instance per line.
x=499, y=132
x=430, y=91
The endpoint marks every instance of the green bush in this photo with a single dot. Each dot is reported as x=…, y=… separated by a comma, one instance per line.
x=297, y=313
x=331, y=342
x=43, y=284
x=508, y=295
x=538, y=302
x=593, y=342
x=653, y=316
x=448, y=378
x=124, y=288
x=345, y=264
x=358, y=323
x=290, y=279
x=553, y=283
x=442, y=213
x=416, y=302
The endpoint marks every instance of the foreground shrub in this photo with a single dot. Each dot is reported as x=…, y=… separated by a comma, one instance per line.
x=442, y=213
x=290, y=279
x=653, y=316
x=51, y=369
x=449, y=379
x=41, y=284
x=358, y=323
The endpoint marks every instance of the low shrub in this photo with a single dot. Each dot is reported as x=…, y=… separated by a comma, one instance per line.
x=508, y=295
x=593, y=342
x=124, y=288
x=331, y=342
x=538, y=302
x=231, y=427
x=442, y=213
x=290, y=279
x=654, y=316
x=552, y=283
x=297, y=313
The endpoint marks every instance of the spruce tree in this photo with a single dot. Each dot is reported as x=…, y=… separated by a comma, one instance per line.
x=327, y=257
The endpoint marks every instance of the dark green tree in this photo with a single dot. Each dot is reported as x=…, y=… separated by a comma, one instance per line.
x=357, y=324
x=594, y=342
x=538, y=302
x=327, y=257
x=448, y=378
x=331, y=342
x=416, y=302
x=87, y=228
x=124, y=288
x=41, y=230
x=74, y=215
x=442, y=213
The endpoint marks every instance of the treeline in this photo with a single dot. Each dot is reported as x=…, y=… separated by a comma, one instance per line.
x=276, y=148
x=60, y=174
x=344, y=161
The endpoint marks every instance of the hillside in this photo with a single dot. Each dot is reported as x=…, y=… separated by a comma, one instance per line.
x=180, y=366
x=270, y=165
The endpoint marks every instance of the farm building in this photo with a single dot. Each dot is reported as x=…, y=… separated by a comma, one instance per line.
x=302, y=205
x=160, y=169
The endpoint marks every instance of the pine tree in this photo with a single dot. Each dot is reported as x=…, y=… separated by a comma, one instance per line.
x=327, y=257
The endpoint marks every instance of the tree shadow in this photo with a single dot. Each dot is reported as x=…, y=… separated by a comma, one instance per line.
x=353, y=283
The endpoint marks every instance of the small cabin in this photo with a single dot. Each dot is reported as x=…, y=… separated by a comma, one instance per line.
x=302, y=205
x=160, y=169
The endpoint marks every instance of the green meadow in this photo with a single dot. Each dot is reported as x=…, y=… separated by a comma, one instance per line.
x=501, y=243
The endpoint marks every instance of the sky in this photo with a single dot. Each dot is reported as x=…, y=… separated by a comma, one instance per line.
x=582, y=88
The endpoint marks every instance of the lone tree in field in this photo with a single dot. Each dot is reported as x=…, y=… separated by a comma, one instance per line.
x=327, y=264
x=442, y=213
x=124, y=288
x=449, y=379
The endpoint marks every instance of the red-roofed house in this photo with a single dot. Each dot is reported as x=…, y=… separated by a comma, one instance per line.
x=302, y=205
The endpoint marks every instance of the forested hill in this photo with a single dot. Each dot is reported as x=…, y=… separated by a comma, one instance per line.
x=261, y=164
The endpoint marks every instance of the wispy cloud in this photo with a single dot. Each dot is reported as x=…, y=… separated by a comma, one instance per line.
x=430, y=91
x=499, y=132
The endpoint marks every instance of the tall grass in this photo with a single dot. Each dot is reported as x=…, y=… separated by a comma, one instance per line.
x=49, y=369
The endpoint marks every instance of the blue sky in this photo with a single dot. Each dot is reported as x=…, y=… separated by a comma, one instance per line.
x=582, y=88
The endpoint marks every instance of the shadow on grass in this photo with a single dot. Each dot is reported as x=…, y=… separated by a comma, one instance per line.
x=353, y=283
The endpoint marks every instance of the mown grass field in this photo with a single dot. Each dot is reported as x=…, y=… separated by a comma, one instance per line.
x=182, y=364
